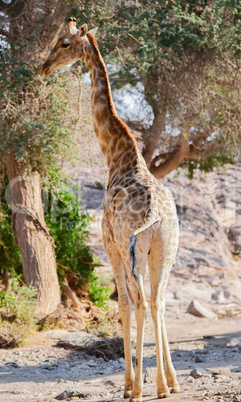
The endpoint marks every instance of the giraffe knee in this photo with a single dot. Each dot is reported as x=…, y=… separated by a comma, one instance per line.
x=157, y=308
x=141, y=307
x=124, y=304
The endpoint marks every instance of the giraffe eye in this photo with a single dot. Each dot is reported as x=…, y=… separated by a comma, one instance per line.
x=65, y=44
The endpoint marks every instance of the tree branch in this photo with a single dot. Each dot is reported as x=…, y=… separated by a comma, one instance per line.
x=173, y=162
x=4, y=33
x=151, y=137
x=175, y=157
x=194, y=150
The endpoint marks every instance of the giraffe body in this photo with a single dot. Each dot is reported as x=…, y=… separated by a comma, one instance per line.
x=135, y=205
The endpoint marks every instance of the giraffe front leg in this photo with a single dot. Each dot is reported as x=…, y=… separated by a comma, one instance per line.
x=124, y=304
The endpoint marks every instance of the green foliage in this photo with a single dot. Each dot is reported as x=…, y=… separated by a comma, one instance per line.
x=208, y=163
x=163, y=31
x=20, y=302
x=69, y=225
x=99, y=295
x=33, y=125
x=178, y=51
x=10, y=256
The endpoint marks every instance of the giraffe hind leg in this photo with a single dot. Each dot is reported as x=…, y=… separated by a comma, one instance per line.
x=160, y=260
x=139, y=261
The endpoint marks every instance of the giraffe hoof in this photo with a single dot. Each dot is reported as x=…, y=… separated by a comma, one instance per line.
x=127, y=393
x=165, y=394
x=137, y=399
x=175, y=389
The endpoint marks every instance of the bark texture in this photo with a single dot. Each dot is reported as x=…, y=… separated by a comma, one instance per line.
x=32, y=236
x=172, y=162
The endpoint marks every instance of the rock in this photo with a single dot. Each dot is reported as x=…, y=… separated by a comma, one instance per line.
x=190, y=380
x=200, y=359
x=195, y=308
x=234, y=236
x=13, y=364
x=92, y=363
x=78, y=339
x=221, y=371
x=219, y=296
x=233, y=342
x=208, y=337
x=184, y=355
x=8, y=340
x=110, y=382
x=56, y=333
x=49, y=367
x=150, y=375
x=200, y=372
x=69, y=393
x=236, y=370
x=107, y=349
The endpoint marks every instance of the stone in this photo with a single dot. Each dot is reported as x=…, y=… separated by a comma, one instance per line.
x=200, y=372
x=190, y=380
x=69, y=393
x=8, y=340
x=220, y=371
x=110, y=382
x=13, y=364
x=236, y=370
x=208, y=337
x=150, y=375
x=195, y=308
x=56, y=333
x=200, y=359
x=78, y=339
x=219, y=296
x=92, y=363
x=233, y=342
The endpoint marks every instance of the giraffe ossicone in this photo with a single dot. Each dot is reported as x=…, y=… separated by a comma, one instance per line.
x=137, y=208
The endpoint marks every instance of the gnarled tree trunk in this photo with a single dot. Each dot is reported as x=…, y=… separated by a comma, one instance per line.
x=32, y=236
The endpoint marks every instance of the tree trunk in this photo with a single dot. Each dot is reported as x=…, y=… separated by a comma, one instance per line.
x=32, y=236
x=151, y=138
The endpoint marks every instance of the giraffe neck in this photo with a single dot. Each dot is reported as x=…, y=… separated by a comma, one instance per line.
x=116, y=142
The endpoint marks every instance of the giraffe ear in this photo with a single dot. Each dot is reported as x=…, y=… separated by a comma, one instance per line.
x=71, y=25
x=93, y=31
x=83, y=30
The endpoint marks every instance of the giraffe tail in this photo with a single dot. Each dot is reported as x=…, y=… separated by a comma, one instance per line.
x=133, y=242
x=133, y=255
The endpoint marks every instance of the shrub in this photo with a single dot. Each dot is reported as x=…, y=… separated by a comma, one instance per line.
x=69, y=225
x=10, y=256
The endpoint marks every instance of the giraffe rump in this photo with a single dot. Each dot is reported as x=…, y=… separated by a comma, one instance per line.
x=133, y=241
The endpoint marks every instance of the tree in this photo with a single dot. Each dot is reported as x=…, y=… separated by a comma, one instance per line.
x=184, y=55
x=33, y=134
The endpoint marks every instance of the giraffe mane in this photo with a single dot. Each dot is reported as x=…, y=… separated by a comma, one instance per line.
x=111, y=104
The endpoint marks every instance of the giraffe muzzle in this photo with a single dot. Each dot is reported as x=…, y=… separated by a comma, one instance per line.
x=45, y=71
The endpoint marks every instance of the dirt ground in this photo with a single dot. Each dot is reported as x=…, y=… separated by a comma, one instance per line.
x=43, y=371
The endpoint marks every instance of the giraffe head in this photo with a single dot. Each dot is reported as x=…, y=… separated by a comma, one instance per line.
x=69, y=47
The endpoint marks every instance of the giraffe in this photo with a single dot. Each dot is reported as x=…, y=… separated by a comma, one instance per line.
x=139, y=215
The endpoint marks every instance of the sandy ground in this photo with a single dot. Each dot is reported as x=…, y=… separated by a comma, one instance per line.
x=43, y=371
